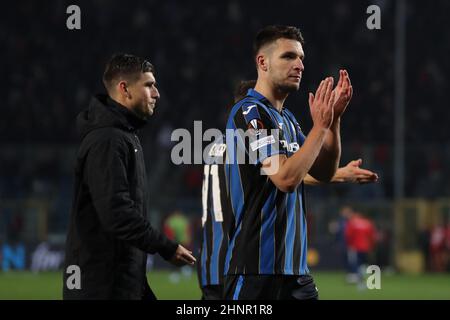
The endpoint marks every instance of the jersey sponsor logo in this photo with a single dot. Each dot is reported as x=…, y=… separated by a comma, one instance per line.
x=290, y=147
x=249, y=108
x=255, y=145
x=217, y=150
x=250, y=113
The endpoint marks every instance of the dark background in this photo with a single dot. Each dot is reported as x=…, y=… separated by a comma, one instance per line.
x=201, y=50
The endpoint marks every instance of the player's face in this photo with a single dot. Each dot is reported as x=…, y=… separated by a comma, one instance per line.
x=144, y=95
x=286, y=65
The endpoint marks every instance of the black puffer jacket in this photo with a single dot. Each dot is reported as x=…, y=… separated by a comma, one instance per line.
x=109, y=236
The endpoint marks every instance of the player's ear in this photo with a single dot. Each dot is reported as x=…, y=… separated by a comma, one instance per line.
x=123, y=89
x=261, y=62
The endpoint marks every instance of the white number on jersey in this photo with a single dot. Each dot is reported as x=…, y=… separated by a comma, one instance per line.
x=212, y=170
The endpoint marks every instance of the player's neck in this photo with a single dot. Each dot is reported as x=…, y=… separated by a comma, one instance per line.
x=275, y=97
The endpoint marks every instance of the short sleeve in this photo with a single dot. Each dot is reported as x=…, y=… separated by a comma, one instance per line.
x=256, y=133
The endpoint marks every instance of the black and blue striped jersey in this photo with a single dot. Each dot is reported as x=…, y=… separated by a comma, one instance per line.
x=269, y=233
x=216, y=216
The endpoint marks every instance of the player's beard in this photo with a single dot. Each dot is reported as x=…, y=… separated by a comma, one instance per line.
x=287, y=88
x=142, y=111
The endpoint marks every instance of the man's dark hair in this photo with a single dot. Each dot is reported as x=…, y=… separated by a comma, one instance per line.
x=272, y=33
x=125, y=66
x=242, y=88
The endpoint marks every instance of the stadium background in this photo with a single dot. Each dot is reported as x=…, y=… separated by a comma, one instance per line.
x=397, y=123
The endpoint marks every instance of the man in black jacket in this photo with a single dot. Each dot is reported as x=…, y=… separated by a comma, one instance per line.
x=109, y=236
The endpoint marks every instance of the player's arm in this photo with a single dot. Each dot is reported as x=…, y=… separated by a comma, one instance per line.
x=287, y=173
x=351, y=173
x=327, y=162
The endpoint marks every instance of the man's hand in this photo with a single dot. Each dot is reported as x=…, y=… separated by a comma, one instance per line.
x=352, y=173
x=321, y=104
x=343, y=94
x=182, y=257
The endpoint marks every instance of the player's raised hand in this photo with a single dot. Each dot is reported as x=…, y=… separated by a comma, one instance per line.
x=343, y=93
x=321, y=104
x=352, y=173
x=182, y=257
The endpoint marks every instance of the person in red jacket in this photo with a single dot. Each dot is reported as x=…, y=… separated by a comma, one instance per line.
x=360, y=236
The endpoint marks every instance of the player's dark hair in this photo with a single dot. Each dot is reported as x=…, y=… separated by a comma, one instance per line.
x=123, y=66
x=270, y=34
x=242, y=88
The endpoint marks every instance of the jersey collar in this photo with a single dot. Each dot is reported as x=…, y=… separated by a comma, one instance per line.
x=255, y=94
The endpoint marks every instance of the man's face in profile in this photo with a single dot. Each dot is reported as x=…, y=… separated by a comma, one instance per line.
x=143, y=95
